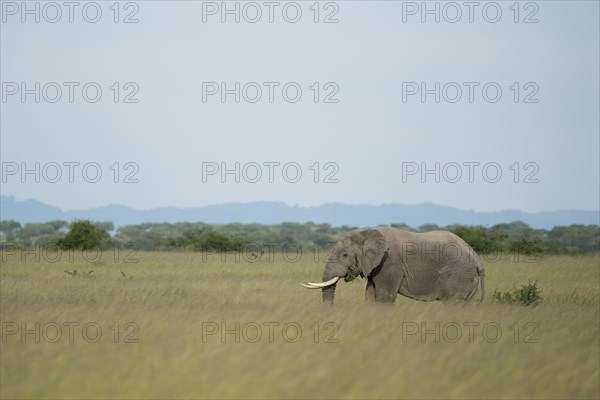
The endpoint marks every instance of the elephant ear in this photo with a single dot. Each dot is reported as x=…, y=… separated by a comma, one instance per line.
x=373, y=250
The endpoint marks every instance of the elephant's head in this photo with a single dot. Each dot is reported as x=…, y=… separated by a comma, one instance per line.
x=357, y=253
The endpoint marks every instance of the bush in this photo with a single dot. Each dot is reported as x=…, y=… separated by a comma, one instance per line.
x=481, y=239
x=527, y=246
x=206, y=239
x=83, y=235
x=558, y=250
x=526, y=295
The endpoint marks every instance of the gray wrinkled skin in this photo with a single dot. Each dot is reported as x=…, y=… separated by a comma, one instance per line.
x=422, y=266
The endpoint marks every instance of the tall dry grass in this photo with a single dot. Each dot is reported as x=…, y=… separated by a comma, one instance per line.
x=352, y=350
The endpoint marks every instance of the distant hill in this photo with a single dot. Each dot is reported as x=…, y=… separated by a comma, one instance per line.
x=265, y=212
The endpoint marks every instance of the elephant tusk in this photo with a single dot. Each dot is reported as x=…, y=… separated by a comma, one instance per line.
x=311, y=285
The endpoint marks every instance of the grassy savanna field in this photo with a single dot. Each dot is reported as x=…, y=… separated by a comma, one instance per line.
x=174, y=300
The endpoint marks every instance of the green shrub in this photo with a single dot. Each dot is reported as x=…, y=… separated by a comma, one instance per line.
x=206, y=239
x=481, y=239
x=526, y=295
x=83, y=235
x=527, y=246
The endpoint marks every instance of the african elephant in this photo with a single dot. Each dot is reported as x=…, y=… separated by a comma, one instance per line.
x=422, y=266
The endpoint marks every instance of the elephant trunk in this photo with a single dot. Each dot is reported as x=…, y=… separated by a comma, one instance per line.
x=329, y=291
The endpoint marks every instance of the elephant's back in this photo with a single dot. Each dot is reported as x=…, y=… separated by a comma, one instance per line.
x=447, y=243
x=417, y=237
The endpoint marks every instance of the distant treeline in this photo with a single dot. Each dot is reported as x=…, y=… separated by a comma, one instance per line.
x=510, y=237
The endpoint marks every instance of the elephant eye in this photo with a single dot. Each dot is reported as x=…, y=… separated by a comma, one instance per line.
x=345, y=254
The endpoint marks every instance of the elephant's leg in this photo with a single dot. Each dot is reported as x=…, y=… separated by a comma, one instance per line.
x=370, y=291
x=474, y=294
x=382, y=296
x=386, y=291
x=387, y=284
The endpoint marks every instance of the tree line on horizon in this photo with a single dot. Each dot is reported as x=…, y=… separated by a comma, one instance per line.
x=197, y=236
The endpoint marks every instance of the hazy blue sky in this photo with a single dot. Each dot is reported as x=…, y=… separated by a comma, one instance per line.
x=370, y=133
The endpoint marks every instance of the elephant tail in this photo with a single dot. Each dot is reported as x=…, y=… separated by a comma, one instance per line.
x=481, y=272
